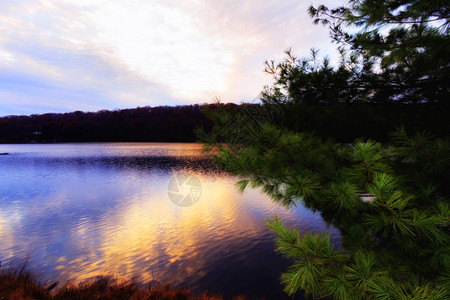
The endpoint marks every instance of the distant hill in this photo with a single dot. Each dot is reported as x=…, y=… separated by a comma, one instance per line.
x=142, y=124
x=342, y=122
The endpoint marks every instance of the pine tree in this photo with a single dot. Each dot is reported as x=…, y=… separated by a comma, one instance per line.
x=400, y=54
x=390, y=201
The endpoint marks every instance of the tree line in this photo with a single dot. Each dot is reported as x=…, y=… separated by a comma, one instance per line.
x=141, y=124
x=341, y=121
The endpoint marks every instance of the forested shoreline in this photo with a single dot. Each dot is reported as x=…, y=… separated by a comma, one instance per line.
x=141, y=124
x=342, y=122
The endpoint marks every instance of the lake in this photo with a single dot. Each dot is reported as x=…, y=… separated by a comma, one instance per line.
x=157, y=210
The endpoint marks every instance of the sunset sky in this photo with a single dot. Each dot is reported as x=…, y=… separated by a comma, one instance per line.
x=67, y=55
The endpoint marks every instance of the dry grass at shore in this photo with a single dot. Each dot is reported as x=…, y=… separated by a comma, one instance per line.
x=22, y=284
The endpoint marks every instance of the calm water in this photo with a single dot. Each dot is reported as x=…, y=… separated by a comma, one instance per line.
x=81, y=210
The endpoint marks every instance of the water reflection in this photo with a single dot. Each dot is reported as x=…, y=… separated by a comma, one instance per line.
x=90, y=209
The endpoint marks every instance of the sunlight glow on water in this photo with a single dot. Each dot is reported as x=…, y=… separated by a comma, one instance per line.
x=81, y=210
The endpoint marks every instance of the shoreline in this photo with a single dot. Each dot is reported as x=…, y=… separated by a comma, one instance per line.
x=24, y=284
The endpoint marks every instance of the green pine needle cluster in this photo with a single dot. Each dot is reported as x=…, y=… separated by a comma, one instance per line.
x=390, y=202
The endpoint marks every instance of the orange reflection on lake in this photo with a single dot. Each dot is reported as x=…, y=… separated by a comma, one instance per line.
x=79, y=211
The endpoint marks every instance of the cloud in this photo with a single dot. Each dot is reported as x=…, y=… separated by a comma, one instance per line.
x=63, y=55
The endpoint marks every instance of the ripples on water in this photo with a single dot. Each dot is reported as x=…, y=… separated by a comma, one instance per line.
x=81, y=210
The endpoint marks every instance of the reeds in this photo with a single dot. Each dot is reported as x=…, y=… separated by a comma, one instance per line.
x=23, y=284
